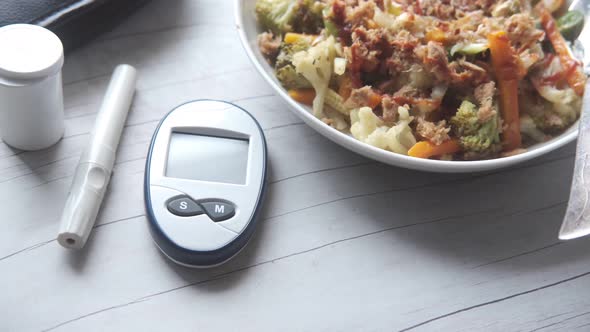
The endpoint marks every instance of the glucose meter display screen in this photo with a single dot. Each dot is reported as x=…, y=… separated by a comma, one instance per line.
x=207, y=158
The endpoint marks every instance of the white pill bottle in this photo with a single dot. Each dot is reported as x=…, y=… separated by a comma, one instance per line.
x=31, y=93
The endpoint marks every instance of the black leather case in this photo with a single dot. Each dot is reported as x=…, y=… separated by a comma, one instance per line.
x=74, y=21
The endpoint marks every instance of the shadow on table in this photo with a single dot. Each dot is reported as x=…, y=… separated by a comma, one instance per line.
x=502, y=218
x=40, y=163
x=222, y=278
x=226, y=276
x=128, y=42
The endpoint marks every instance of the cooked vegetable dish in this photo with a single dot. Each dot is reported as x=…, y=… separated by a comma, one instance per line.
x=439, y=79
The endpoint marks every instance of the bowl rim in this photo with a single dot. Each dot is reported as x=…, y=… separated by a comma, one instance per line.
x=389, y=157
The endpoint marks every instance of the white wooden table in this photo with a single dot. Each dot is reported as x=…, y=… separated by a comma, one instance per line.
x=344, y=244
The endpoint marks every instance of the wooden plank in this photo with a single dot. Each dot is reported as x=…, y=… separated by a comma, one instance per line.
x=470, y=241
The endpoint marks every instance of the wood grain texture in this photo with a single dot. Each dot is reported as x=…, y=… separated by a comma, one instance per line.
x=345, y=243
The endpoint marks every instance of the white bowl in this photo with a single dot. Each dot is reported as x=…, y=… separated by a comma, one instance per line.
x=248, y=30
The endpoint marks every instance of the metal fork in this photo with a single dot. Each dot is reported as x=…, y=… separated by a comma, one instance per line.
x=576, y=222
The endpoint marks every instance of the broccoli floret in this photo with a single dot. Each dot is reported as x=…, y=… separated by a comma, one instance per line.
x=281, y=16
x=290, y=79
x=328, y=17
x=276, y=15
x=475, y=136
x=310, y=17
x=284, y=68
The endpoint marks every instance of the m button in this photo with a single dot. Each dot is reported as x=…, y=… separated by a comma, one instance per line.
x=219, y=211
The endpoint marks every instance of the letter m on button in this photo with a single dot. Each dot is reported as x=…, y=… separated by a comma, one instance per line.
x=219, y=208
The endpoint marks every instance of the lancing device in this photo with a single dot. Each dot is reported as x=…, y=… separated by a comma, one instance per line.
x=96, y=163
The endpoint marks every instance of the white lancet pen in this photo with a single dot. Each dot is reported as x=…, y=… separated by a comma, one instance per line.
x=96, y=163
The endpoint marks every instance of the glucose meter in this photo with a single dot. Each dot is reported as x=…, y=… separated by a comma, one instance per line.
x=204, y=182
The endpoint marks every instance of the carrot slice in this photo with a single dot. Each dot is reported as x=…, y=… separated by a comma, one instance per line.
x=507, y=70
x=374, y=100
x=304, y=96
x=575, y=78
x=345, y=88
x=426, y=149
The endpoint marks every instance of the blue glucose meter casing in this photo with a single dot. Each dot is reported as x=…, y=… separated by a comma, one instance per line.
x=204, y=182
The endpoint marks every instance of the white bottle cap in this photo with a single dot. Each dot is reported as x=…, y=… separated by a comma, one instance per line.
x=31, y=58
x=29, y=52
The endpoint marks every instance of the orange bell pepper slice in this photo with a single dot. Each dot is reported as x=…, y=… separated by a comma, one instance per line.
x=292, y=37
x=304, y=96
x=426, y=149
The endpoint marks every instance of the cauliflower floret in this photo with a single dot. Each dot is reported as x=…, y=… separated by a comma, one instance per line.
x=555, y=95
x=364, y=122
x=529, y=128
x=383, y=19
x=420, y=78
x=506, y=8
x=378, y=138
x=400, y=136
x=569, y=112
x=335, y=119
x=369, y=128
x=562, y=110
x=316, y=65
